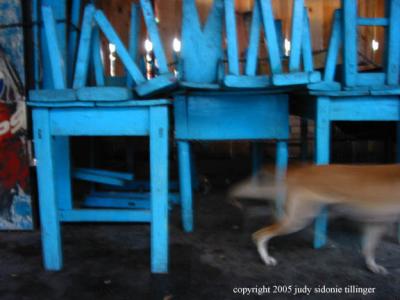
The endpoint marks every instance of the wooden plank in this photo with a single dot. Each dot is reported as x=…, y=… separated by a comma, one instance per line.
x=279, y=32
x=50, y=225
x=393, y=53
x=306, y=46
x=322, y=130
x=271, y=36
x=372, y=22
x=134, y=35
x=350, y=62
x=321, y=228
x=203, y=117
x=61, y=104
x=113, y=174
x=296, y=78
x=398, y=142
x=138, y=196
x=98, y=178
x=92, y=201
x=185, y=185
x=380, y=108
x=136, y=103
x=100, y=121
x=105, y=215
x=108, y=93
x=297, y=32
x=334, y=46
x=282, y=160
x=60, y=13
x=322, y=157
x=36, y=42
x=55, y=56
x=232, y=38
x=162, y=82
x=370, y=79
x=62, y=95
x=257, y=158
x=247, y=81
x=96, y=58
x=254, y=41
x=152, y=30
x=62, y=174
x=82, y=60
x=123, y=54
x=159, y=188
x=73, y=37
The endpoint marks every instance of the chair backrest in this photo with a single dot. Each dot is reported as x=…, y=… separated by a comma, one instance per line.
x=202, y=50
x=350, y=22
x=345, y=37
x=262, y=16
x=56, y=71
x=58, y=12
x=144, y=87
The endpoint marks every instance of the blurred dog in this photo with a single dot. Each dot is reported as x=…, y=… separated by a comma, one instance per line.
x=370, y=193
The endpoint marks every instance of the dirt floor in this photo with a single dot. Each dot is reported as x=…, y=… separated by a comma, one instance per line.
x=111, y=261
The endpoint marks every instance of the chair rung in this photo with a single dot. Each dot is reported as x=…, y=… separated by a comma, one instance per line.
x=105, y=215
x=373, y=22
x=98, y=178
x=93, y=201
x=106, y=173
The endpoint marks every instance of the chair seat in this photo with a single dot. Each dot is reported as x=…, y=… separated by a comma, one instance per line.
x=199, y=85
x=89, y=97
x=379, y=91
x=101, y=93
x=53, y=96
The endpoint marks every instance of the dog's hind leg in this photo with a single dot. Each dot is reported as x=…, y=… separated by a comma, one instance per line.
x=298, y=215
x=372, y=235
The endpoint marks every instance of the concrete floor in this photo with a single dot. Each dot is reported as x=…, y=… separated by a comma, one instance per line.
x=109, y=261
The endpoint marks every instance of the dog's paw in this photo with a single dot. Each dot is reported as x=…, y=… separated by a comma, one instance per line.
x=270, y=261
x=377, y=269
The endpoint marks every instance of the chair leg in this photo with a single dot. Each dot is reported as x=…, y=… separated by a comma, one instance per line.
x=398, y=161
x=398, y=143
x=185, y=183
x=62, y=172
x=282, y=158
x=159, y=188
x=322, y=154
x=257, y=157
x=50, y=224
x=321, y=228
x=304, y=139
x=193, y=170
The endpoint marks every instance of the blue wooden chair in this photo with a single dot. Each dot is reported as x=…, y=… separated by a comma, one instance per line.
x=122, y=182
x=360, y=96
x=206, y=110
x=60, y=113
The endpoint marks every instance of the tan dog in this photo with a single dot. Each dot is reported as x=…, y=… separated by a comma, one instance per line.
x=369, y=193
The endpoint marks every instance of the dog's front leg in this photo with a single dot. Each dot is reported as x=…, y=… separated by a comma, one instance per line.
x=372, y=235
